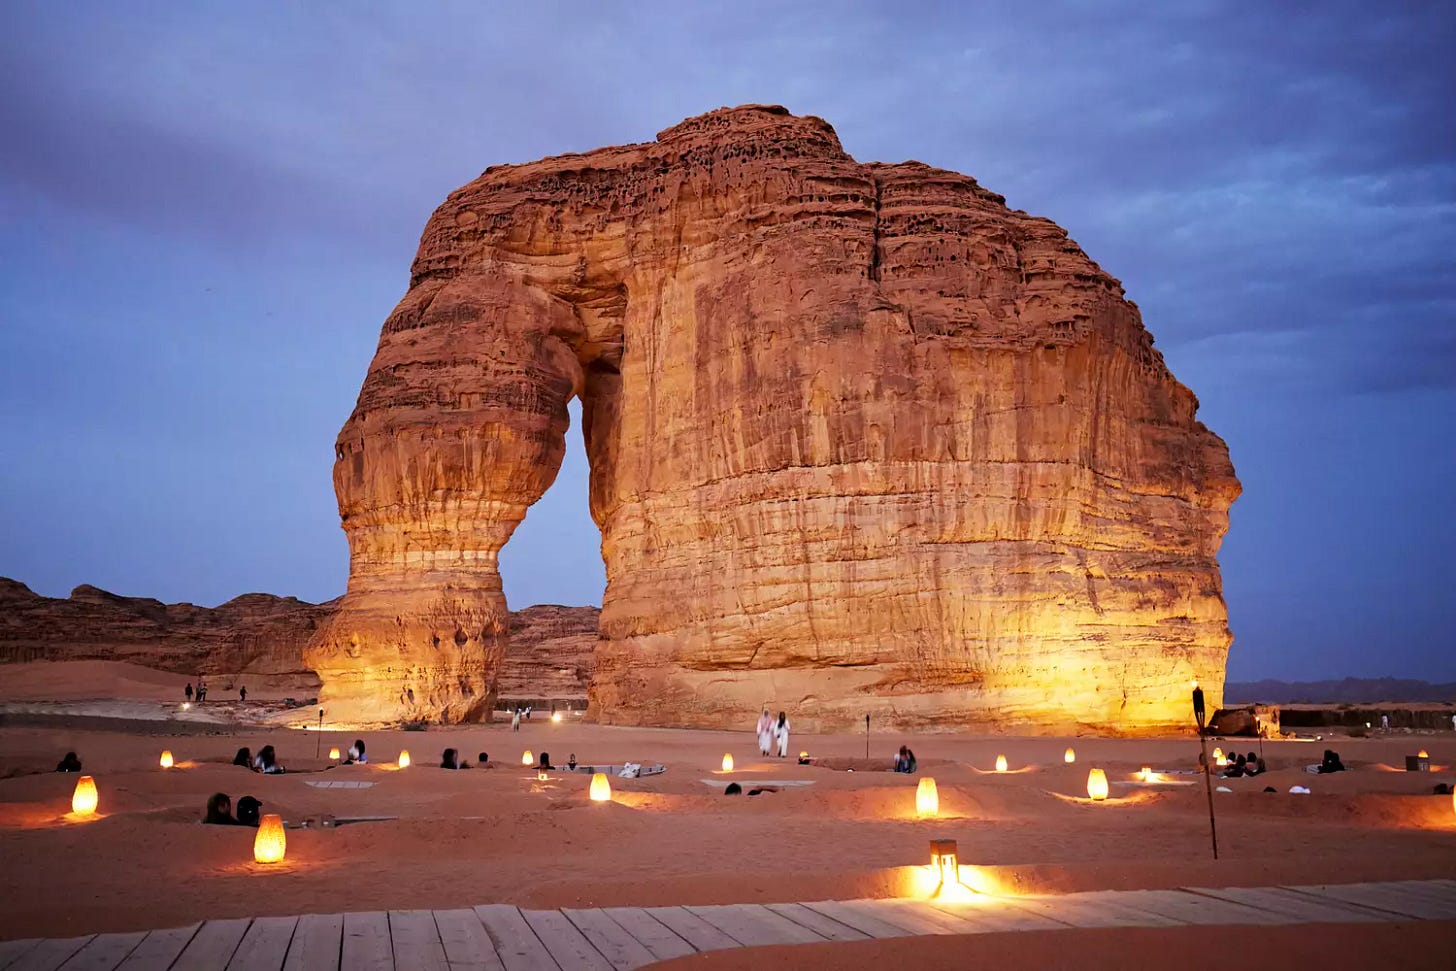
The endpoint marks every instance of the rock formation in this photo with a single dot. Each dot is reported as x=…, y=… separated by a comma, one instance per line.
x=550, y=657
x=254, y=634
x=862, y=440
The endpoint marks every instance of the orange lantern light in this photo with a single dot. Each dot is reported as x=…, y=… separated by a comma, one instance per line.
x=945, y=860
x=1218, y=756
x=271, y=842
x=728, y=762
x=1097, y=785
x=543, y=776
x=166, y=760
x=803, y=755
x=404, y=759
x=1000, y=763
x=927, y=798
x=1146, y=773
x=83, y=800
x=333, y=755
x=601, y=789
x=1422, y=754
x=1069, y=756
x=556, y=717
x=527, y=758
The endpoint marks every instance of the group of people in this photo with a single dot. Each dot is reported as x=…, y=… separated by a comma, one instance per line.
x=199, y=694
x=220, y=811
x=1330, y=763
x=1245, y=765
x=773, y=732
x=266, y=761
x=905, y=760
x=517, y=715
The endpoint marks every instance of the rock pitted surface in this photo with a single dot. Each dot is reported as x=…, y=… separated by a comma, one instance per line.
x=253, y=634
x=551, y=653
x=862, y=440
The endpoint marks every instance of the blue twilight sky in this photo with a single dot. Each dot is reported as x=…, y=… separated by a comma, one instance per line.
x=207, y=210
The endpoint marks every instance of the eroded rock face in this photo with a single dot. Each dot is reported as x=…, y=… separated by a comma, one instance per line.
x=862, y=440
x=551, y=654
x=255, y=633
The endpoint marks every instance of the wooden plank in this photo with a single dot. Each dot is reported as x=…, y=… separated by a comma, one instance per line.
x=365, y=946
x=754, y=925
x=1067, y=909
x=1287, y=907
x=825, y=927
x=467, y=945
x=1149, y=906
x=159, y=949
x=517, y=945
x=105, y=952
x=1382, y=897
x=887, y=911
x=10, y=951
x=50, y=953
x=702, y=935
x=265, y=945
x=212, y=946
x=318, y=942
x=621, y=949
x=650, y=933
x=994, y=914
x=567, y=945
x=1424, y=889
x=416, y=940
x=862, y=922
x=921, y=911
x=1191, y=909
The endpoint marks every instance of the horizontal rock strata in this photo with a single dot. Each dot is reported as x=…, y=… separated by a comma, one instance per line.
x=862, y=440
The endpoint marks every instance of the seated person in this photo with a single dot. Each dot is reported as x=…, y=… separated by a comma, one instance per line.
x=482, y=759
x=357, y=753
x=1254, y=766
x=1236, y=768
x=910, y=764
x=249, y=811
x=69, y=764
x=267, y=762
x=571, y=762
x=220, y=811
x=244, y=758
x=900, y=760
x=545, y=762
x=451, y=760
x=1331, y=763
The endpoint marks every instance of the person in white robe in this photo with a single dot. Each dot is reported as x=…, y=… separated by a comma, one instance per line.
x=765, y=733
x=781, y=733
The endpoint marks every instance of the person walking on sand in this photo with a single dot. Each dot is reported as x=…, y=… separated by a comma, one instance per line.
x=765, y=733
x=1385, y=723
x=242, y=693
x=188, y=692
x=516, y=720
x=781, y=732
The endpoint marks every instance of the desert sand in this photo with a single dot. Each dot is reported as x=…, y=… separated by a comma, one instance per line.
x=499, y=835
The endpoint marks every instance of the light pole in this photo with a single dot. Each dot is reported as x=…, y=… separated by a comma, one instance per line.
x=1199, y=715
x=318, y=745
x=867, y=738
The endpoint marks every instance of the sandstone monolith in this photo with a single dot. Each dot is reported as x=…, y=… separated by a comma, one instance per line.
x=862, y=440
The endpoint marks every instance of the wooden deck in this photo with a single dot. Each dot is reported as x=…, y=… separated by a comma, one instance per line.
x=499, y=937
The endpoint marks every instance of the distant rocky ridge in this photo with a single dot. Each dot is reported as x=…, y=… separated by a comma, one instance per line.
x=259, y=634
x=1354, y=691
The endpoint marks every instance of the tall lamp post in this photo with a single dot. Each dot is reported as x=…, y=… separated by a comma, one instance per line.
x=318, y=743
x=1200, y=715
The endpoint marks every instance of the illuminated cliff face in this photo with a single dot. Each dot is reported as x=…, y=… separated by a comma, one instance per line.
x=862, y=440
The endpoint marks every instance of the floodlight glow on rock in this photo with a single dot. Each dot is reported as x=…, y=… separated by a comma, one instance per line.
x=601, y=789
x=927, y=798
x=271, y=843
x=1097, y=785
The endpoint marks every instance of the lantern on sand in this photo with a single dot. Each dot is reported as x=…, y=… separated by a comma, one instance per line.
x=271, y=842
x=333, y=755
x=404, y=759
x=166, y=760
x=83, y=800
x=1069, y=756
x=543, y=776
x=1097, y=785
x=944, y=860
x=601, y=789
x=728, y=763
x=1146, y=773
x=927, y=798
x=556, y=717
x=1422, y=754
x=1000, y=763
x=527, y=758
x=1218, y=756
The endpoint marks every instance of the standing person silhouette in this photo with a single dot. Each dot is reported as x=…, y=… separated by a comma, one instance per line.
x=781, y=732
x=765, y=733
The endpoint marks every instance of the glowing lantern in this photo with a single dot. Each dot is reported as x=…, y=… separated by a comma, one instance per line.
x=944, y=860
x=803, y=755
x=927, y=798
x=271, y=842
x=727, y=763
x=1145, y=773
x=83, y=800
x=543, y=776
x=527, y=758
x=601, y=789
x=1422, y=754
x=1000, y=763
x=404, y=759
x=166, y=760
x=333, y=754
x=1097, y=785
x=556, y=717
x=1069, y=756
